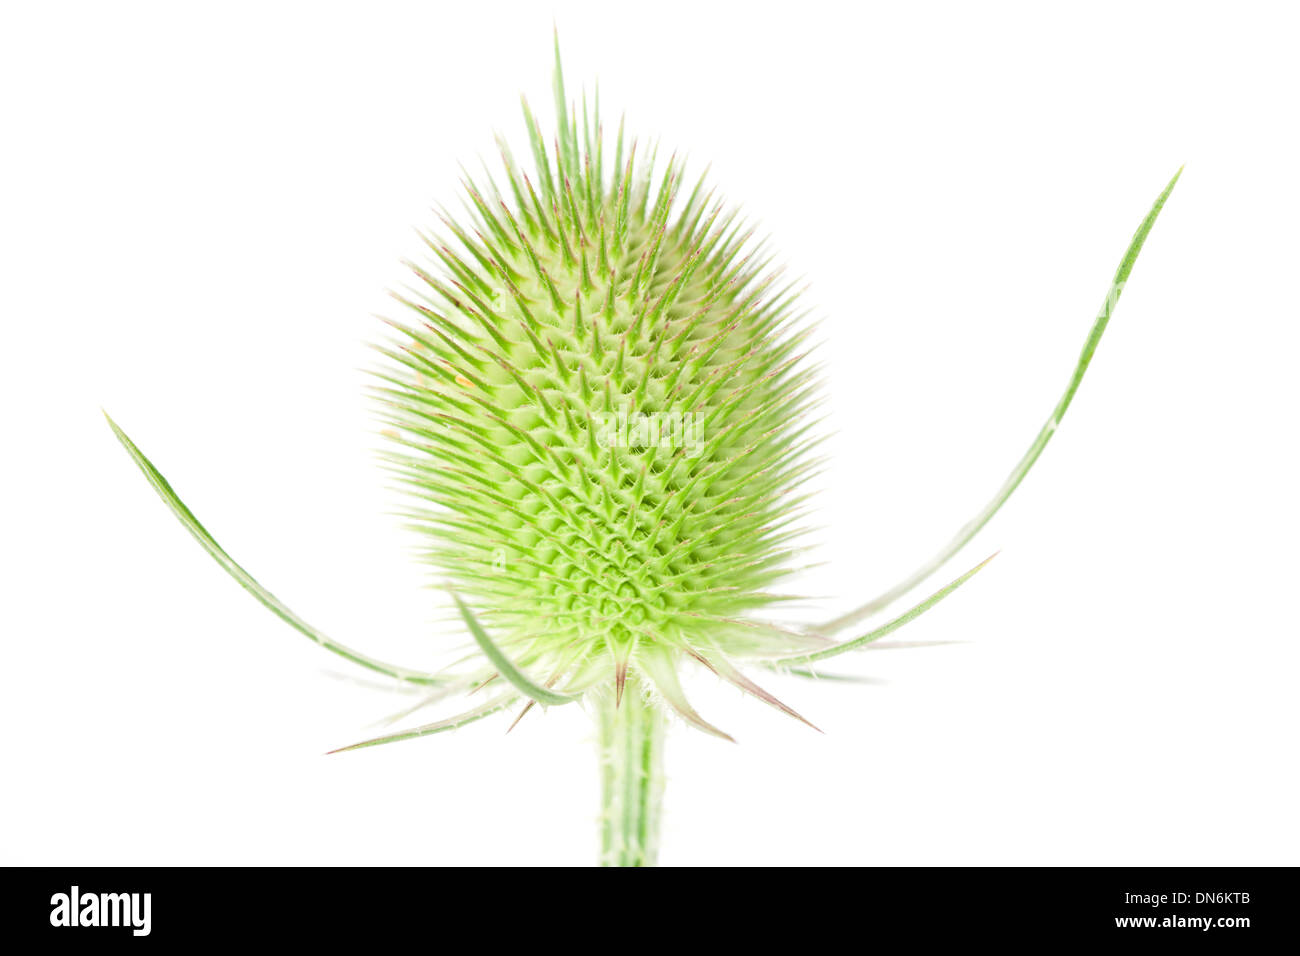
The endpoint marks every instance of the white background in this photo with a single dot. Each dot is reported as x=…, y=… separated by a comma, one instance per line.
x=202, y=207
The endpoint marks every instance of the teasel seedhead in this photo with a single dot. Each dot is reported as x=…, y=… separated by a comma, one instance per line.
x=600, y=397
x=599, y=401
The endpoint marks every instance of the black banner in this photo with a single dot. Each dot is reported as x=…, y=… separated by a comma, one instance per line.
x=1219, y=907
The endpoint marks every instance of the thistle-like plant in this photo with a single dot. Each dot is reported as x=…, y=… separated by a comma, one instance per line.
x=598, y=402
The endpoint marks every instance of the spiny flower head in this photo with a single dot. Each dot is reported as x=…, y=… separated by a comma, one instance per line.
x=600, y=404
x=599, y=400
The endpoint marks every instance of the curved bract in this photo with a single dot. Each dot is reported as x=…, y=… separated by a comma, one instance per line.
x=250, y=584
x=1012, y=482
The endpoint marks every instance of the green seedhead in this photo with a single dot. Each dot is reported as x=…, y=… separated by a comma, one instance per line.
x=598, y=399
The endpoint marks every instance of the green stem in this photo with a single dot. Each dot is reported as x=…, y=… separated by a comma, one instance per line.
x=632, y=779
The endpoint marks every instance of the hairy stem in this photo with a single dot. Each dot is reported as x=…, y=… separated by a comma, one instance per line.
x=631, y=779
